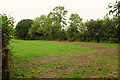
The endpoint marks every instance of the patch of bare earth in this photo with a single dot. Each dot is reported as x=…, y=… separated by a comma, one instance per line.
x=57, y=67
x=64, y=65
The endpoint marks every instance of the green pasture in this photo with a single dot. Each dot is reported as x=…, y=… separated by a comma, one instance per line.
x=50, y=59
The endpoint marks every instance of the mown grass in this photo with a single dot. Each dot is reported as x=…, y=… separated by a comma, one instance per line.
x=104, y=44
x=30, y=49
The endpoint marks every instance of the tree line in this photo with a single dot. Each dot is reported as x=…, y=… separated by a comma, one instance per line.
x=54, y=27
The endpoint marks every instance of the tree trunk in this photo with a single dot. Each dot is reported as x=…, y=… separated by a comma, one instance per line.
x=5, y=64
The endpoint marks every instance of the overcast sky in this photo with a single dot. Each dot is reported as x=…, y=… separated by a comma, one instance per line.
x=29, y=9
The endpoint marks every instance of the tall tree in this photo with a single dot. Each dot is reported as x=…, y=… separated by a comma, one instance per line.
x=73, y=32
x=38, y=29
x=58, y=16
x=57, y=19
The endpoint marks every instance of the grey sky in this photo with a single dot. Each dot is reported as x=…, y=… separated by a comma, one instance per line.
x=29, y=9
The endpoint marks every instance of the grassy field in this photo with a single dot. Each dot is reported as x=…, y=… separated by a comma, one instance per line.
x=49, y=59
x=31, y=49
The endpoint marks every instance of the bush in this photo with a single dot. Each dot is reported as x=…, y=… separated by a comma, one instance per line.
x=22, y=28
x=7, y=31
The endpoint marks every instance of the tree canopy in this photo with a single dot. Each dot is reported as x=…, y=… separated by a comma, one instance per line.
x=54, y=27
x=22, y=28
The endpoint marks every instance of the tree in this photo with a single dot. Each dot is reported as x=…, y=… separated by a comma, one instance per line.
x=115, y=11
x=57, y=21
x=95, y=30
x=38, y=29
x=109, y=29
x=58, y=16
x=73, y=32
x=90, y=31
x=49, y=27
x=22, y=28
x=7, y=31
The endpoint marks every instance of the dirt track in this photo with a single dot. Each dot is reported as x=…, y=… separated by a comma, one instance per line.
x=93, y=46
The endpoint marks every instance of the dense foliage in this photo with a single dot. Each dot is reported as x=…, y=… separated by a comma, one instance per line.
x=54, y=27
x=7, y=32
x=22, y=28
x=115, y=11
x=49, y=27
x=72, y=31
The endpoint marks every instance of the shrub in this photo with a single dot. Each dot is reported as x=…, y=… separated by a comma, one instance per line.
x=7, y=30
